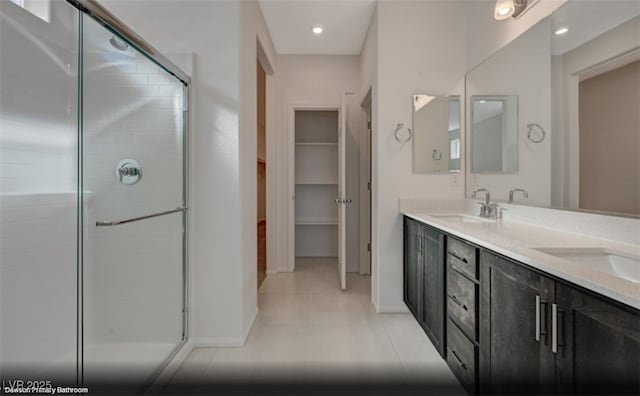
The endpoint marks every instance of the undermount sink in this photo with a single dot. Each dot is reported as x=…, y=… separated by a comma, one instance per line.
x=461, y=218
x=618, y=264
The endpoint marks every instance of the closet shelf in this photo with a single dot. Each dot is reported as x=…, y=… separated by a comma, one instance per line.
x=324, y=222
x=317, y=144
x=316, y=183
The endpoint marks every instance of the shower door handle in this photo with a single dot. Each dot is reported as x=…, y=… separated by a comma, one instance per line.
x=131, y=220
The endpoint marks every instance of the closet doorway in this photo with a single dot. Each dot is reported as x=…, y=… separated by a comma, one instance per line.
x=319, y=184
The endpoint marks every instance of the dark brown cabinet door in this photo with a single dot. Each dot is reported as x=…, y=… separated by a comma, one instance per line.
x=598, y=344
x=432, y=293
x=412, y=264
x=515, y=357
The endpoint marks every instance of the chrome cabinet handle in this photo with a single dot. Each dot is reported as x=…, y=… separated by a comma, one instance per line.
x=554, y=328
x=539, y=316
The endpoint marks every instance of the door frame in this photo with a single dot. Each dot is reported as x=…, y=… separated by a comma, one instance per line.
x=291, y=172
x=366, y=189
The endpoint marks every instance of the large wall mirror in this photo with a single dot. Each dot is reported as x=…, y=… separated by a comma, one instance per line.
x=573, y=81
x=436, y=139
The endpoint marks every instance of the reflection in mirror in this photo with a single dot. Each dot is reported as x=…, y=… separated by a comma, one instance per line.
x=494, y=134
x=596, y=68
x=576, y=74
x=436, y=127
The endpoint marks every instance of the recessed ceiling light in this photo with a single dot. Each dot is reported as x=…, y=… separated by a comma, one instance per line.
x=561, y=31
x=317, y=30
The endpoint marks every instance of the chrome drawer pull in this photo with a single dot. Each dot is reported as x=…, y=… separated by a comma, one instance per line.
x=459, y=303
x=464, y=366
x=458, y=256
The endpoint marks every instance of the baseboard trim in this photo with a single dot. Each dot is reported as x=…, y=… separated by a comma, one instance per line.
x=168, y=372
x=247, y=331
x=391, y=309
x=215, y=342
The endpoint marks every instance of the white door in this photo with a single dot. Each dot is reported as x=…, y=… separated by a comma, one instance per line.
x=342, y=196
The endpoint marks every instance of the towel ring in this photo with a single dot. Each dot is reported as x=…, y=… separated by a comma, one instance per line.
x=399, y=127
x=531, y=136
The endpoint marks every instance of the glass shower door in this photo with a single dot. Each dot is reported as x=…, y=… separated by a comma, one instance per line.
x=133, y=211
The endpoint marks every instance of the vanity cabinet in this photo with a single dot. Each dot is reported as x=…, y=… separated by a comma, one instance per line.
x=515, y=353
x=412, y=260
x=462, y=312
x=512, y=329
x=543, y=336
x=424, y=278
x=598, y=344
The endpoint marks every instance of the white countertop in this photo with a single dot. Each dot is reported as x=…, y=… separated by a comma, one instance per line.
x=517, y=240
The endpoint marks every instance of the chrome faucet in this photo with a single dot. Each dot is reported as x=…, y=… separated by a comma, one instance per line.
x=487, y=194
x=487, y=209
x=524, y=192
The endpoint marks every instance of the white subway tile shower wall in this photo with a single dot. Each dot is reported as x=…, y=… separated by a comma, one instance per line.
x=38, y=115
x=38, y=118
x=38, y=274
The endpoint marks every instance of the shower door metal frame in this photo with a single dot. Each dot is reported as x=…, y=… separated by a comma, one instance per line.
x=98, y=13
x=112, y=23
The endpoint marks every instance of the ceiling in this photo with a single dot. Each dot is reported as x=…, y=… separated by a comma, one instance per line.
x=345, y=24
x=588, y=19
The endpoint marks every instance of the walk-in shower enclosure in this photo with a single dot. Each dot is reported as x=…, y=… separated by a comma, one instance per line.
x=93, y=211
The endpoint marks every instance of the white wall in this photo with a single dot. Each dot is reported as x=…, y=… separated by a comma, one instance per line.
x=221, y=36
x=485, y=35
x=320, y=80
x=411, y=54
x=368, y=86
x=253, y=34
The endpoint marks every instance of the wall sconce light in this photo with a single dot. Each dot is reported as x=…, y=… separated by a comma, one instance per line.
x=510, y=8
x=503, y=9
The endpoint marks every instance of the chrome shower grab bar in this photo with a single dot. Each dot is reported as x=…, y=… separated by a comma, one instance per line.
x=119, y=222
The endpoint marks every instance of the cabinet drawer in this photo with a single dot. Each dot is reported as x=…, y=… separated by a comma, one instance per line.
x=462, y=256
x=462, y=357
x=462, y=297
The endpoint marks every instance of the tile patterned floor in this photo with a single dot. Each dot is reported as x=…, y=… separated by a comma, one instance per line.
x=307, y=328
